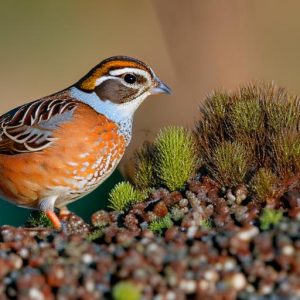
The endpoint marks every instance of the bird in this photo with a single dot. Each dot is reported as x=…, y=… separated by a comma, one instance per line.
x=59, y=148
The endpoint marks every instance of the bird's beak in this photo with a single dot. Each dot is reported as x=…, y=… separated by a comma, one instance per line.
x=160, y=87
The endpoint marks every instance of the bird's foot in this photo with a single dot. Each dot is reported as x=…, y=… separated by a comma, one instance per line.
x=67, y=222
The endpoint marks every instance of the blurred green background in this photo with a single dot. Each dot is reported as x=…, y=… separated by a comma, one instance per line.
x=195, y=46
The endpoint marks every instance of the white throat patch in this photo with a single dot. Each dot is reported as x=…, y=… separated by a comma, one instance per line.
x=122, y=113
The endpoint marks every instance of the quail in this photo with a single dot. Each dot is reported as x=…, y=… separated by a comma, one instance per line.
x=59, y=148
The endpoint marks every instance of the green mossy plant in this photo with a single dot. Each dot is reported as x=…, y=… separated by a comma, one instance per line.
x=269, y=218
x=287, y=153
x=230, y=163
x=259, y=122
x=159, y=225
x=94, y=235
x=263, y=184
x=169, y=161
x=213, y=121
x=38, y=219
x=125, y=290
x=144, y=167
x=283, y=114
x=176, y=158
x=215, y=108
x=246, y=117
x=123, y=195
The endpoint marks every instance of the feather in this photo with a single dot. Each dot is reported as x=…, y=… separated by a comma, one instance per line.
x=29, y=128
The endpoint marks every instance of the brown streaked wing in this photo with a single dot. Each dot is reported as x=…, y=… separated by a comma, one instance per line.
x=29, y=128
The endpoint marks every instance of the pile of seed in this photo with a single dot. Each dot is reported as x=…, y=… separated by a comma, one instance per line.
x=231, y=259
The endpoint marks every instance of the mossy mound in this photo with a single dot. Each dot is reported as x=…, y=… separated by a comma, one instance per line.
x=254, y=129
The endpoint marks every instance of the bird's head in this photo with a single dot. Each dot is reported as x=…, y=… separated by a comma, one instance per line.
x=121, y=79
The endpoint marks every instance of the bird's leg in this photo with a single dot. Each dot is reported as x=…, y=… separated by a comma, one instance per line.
x=53, y=218
x=47, y=206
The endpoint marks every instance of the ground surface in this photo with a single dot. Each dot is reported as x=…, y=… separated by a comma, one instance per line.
x=210, y=247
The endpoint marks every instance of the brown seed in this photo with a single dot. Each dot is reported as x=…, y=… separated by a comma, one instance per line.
x=100, y=218
x=131, y=221
x=160, y=209
x=195, y=186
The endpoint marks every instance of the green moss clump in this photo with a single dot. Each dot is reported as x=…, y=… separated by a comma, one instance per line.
x=283, y=114
x=287, y=153
x=125, y=290
x=270, y=217
x=38, y=219
x=246, y=117
x=230, y=162
x=122, y=195
x=255, y=128
x=263, y=184
x=94, y=235
x=170, y=161
x=176, y=157
x=160, y=224
x=144, y=167
x=216, y=106
x=213, y=121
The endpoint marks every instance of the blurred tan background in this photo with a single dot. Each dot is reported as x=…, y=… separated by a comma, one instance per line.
x=194, y=46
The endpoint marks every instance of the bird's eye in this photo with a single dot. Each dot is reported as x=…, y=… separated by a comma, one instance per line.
x=130, y=78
